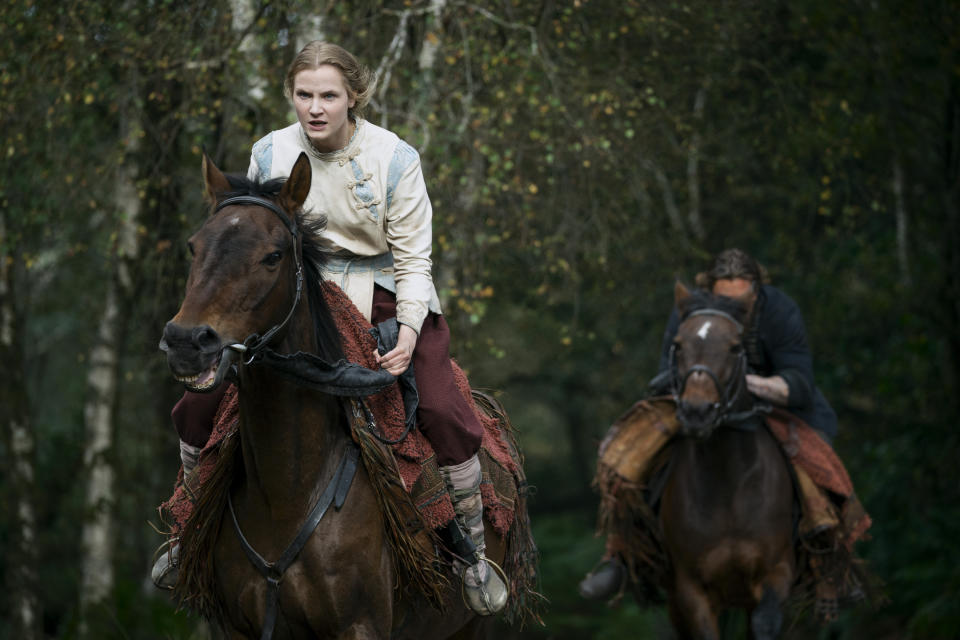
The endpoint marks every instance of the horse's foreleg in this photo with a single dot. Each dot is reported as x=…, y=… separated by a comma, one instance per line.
x=766, y=618
x=692, y=612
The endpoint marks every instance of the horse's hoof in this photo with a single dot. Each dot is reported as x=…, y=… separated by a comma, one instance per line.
x=604, y=582
x=165, y=569
x=489, y=596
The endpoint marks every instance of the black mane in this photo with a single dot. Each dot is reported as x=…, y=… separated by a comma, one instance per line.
x=314, y=260
x=700, y=299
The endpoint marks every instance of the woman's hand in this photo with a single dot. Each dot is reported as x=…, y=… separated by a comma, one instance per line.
x=397, y=360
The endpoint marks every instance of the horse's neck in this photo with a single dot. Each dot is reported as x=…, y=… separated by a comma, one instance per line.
x=291, y=436
x=723, y=461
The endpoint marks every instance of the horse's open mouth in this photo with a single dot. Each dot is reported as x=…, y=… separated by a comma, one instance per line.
x=203, y=381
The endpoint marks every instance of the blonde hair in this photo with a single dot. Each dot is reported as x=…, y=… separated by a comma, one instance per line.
x=356, y=76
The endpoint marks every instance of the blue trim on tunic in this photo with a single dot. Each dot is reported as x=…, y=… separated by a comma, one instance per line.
x=403, y=156
x=363, y=264
x=262, y=153
x=363, y=190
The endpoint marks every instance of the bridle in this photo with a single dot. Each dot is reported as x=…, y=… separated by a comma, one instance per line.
x=254, y=343
x=729, y=394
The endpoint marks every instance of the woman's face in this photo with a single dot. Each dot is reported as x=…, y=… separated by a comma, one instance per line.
x=322, y=102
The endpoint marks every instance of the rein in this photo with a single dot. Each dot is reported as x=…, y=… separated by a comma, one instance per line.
x=335, y=494
x=305, y=369
x=308, y=370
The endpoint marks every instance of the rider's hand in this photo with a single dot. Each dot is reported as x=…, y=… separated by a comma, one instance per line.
x=398, y=359
x=773, y=389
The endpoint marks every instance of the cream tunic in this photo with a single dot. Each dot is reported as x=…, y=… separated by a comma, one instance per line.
x=378, y=213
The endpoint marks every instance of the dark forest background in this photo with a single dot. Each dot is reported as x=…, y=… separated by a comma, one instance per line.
x=581, y=155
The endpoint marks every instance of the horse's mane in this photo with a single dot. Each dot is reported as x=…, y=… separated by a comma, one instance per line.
x=315, y=257
x=700, y=299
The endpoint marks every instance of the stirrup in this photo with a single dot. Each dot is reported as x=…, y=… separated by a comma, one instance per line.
x=165, y=569
x=490, y=597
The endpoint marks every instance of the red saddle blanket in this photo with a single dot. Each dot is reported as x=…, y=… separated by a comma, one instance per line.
x=811, y=453
x=415, y=458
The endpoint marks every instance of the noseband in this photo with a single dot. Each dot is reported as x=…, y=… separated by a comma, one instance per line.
x=254, y=343
x=730, y=394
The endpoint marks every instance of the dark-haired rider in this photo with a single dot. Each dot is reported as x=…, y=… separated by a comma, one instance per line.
x=782, y=374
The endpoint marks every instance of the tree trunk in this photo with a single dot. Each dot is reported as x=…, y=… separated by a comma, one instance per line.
x=21, y=555
x=97, y=579
x=693, y=167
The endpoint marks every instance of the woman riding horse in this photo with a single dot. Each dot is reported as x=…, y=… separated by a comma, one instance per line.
x=368, y=184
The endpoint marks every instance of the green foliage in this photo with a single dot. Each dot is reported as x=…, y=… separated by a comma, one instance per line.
x=580, y=156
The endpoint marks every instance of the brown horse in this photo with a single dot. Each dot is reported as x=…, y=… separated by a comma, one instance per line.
x=727, y=507
x=253, y=288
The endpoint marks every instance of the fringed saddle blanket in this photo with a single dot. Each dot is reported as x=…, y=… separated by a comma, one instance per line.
x=811, y=453
x=415, y=460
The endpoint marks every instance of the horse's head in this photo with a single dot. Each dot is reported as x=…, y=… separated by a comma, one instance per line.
x=245, y=278
x=708, y=360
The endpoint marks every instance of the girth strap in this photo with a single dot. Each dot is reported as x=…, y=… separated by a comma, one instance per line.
x=335, y=494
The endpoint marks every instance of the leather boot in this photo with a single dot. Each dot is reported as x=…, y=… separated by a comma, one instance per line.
x=819, y=514
x=484, y=586
x=604, y=582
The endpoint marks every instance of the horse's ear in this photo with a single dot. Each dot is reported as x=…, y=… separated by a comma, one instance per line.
x=680, y=294
x=297, y=186
x=214, y=180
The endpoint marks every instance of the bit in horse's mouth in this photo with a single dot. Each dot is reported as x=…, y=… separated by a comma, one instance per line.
x=202, y=381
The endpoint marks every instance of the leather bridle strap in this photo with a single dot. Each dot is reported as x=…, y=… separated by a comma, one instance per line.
x=260, y=202
x=335, y=494
x=253, y=343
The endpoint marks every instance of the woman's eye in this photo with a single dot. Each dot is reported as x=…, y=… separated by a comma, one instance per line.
x=736, y=349
x=272, y=258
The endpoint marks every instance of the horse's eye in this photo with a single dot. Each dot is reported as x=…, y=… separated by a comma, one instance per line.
x=190, y=248
x=272, y=258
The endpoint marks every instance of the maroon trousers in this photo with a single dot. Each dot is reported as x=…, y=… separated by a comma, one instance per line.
x=444, y=416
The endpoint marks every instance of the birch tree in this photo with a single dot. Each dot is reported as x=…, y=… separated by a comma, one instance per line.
x=19, y=438
x=97, y=579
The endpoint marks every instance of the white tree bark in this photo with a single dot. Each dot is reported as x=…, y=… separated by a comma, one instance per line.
x=669, y=203
x=22, y=555
x=97, y=577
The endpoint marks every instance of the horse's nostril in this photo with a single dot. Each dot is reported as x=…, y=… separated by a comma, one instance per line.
x=206, y=339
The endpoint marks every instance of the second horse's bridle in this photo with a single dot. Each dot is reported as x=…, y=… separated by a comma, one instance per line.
x=730, y=393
